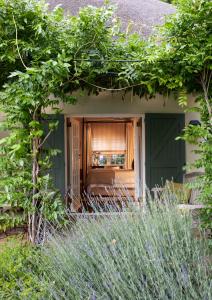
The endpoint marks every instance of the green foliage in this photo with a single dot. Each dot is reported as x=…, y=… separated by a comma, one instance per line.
x=18, y=279
x=187, y=44
x=45, y=55
x=187, y=48
x=38, y=52
x=11, y=219
x=177, y=60
x=139, y=255
x=201, y=136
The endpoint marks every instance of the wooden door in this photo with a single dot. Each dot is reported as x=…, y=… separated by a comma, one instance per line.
x=75, y=174
x=165, y=156
x=138, y=158
x=56, y=141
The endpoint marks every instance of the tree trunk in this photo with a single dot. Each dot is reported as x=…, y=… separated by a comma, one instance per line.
x=35, y=168
x=205, y=82
x=33, y=216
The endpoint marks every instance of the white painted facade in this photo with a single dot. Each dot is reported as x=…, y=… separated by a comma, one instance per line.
x=108, y=104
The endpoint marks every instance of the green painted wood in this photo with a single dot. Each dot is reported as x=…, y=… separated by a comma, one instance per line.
x=56, y=140
x=165, y=157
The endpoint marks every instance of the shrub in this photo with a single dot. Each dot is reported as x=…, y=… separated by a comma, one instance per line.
x=11, y=219
x=137, y=255
x=18, y=279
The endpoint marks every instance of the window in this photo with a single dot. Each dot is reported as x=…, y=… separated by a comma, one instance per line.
x=108, y=144
x=108, y=159
x=108, y=137
x=118, y=159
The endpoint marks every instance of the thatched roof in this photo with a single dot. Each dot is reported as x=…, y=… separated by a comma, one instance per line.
x=145, y=14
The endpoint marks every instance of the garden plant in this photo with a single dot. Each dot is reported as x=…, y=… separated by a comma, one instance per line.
x=19, y=277
x=151, y=254
x=128, y=253
x=45, y=55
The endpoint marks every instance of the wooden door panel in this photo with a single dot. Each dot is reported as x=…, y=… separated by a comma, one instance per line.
x=56, y=141
x=75, y=186
x=165, y=157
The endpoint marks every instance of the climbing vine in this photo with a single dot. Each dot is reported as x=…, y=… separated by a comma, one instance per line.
x=187, y=42
x=46, y=55
x=38, y=52
x=182, y=62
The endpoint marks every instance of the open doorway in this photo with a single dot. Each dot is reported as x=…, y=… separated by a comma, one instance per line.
x=104, y=156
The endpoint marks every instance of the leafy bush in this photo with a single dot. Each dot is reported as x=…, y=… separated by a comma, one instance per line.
x=201, y=135
x=18, y=279
x=11, y=219
x=137, y=255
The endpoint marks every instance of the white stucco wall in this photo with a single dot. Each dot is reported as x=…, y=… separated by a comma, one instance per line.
x=190, y=155
x=106, y=104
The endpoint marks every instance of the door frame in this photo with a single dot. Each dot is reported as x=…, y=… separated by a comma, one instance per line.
x=141, y=166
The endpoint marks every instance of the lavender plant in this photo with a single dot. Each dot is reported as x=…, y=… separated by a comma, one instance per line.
x=137, y=254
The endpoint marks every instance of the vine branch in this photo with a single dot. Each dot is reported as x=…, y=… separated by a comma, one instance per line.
x=205, y=82
x=44, y=140
x=110, y=89
x=16, y=42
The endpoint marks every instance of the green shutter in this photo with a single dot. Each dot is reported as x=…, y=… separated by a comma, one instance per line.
x=165, y=157
x=56, y=140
